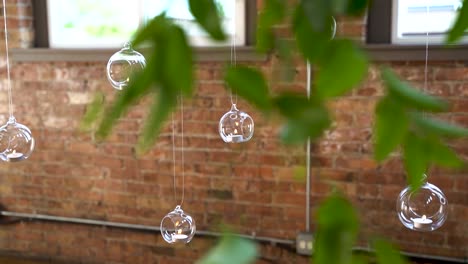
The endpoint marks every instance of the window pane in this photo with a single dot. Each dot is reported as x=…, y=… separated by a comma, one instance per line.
x=233, y=11
x=110, y=23
x=90, y=23
x=414, y=18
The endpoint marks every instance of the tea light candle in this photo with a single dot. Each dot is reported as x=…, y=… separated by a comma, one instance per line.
x=422, y=223
x=14, y=156
x=234, y=138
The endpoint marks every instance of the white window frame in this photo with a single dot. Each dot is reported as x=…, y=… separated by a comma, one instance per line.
x=197, y=41
x=413, y=40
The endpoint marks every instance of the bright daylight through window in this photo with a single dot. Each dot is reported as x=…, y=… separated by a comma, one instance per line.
x=412, y=19
x=110, y=23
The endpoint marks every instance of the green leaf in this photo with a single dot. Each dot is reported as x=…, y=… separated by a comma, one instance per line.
x=154, y=28
x=178, y=63
x=305, y=119
x=461, y=24
x=317, y=14
x=311, y=43
x=357, y=7
x=387, y=254
x=343, y=67
x=250, y=84
x=438, y=127
x=206, y=14
x=417, y=156
x=445, y=156
x=337, y=231
x=390, y=127
x=231, y=250
x=139, y=86
x=162, y=106
x=273, y=13
x=410, y=96
x=93, y=112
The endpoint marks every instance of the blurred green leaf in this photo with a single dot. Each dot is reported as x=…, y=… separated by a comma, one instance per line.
x=250, y=84
x=311, y=43
x=416, y=157
x=390, y=127
x=387, y=254
x=337, y=231
x=206, y=14
x=317, y=13
x=438, y=127
x=231, y=250
x=273, y=13
x=93, y=112
x=409, y=96
x=344, y=66
x=177, y=63
x=305, y=118
x=445, y=156
x=461, y=24
x=163, y=105
x=357, y=7
x=151, y=30
x=139, y=86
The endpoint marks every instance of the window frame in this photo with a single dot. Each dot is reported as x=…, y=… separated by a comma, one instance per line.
x=379, y=40
x=42, y=52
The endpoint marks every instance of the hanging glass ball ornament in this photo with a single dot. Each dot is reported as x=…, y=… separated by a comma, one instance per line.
x=16, y=141
x=236, y=126
x=178, y=227
x=424, y=209
x=123, y=65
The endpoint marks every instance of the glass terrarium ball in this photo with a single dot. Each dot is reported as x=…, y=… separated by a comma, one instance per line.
x=236, y=126
x=178, y=227
x=424, y=209
x=122, y=65
x=16, y=141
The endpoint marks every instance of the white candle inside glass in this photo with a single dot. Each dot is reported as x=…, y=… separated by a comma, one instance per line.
x=14, y=155
x=234, y=138
x=422, y=222
x=179, y=235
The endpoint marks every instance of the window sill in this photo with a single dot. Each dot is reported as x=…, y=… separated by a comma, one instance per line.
x=387, y=52
x=215, y=54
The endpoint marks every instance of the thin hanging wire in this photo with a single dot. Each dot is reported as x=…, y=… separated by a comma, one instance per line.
x=427, y=53
x=10, y=99
x=174, y=158
x=427, y=48
x=182, y=154
x=234, y=53
x=182, y=148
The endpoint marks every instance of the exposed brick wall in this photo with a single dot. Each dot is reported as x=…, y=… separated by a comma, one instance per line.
x=250, y=187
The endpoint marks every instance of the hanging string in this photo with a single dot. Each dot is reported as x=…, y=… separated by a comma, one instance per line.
x=427, y=48
x=182, y=147
x=174, y=157
x=10, y=100
x=234, y=53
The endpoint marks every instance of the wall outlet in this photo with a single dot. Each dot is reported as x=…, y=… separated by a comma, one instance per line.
x=305, y=243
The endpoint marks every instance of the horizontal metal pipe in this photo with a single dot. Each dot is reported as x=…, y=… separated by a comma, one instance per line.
x=41, y=217
x=131, y=226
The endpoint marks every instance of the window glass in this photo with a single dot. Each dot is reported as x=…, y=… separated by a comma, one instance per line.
x=110, y=23
x=413, y=19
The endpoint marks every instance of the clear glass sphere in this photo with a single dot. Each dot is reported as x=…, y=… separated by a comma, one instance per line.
x=178, y=227
x=236, y=126
x=16, y=141
x=123, y=65
x=424, y=210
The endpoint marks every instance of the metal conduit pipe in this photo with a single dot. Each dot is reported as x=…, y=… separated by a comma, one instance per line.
x=286, y=242
x=72, y=220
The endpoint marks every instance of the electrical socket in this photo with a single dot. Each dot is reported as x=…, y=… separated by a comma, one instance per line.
x=305, y=243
